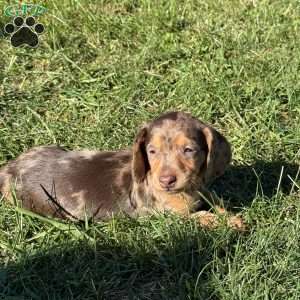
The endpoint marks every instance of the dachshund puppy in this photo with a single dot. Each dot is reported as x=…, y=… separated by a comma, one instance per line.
x=172, y=159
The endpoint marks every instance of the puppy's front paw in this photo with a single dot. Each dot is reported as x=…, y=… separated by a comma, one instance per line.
x=206, y=219
x=210, y=220
x=237, y=223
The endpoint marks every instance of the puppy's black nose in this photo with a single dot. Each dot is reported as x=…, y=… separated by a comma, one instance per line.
x=167, y=181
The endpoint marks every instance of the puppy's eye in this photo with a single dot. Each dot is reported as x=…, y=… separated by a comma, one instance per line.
x=151, y=151
x=188, y=150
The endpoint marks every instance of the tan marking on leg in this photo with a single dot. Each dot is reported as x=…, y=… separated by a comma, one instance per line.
x=237, y=223
x=206, y=219
x=179, y=203
x=211, y=220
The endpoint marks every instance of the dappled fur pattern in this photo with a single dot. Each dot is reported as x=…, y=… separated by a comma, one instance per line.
x=171, y=160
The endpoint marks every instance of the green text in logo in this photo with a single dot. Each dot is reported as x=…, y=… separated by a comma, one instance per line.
x=24, y=9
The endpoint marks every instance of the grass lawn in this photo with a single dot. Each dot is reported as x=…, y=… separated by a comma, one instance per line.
x=102, y=69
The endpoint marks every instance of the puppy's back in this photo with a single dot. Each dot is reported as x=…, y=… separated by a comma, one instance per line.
x=82, y=182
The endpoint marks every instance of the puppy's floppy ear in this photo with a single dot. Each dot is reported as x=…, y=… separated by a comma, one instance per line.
x=219, y=153
x=140, y=164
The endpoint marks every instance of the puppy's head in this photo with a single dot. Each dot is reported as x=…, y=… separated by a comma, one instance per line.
x=177, y=152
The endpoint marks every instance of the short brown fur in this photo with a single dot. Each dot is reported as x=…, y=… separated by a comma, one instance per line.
x=172, y=158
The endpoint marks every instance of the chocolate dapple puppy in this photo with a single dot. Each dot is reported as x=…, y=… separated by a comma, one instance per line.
x=172, y=158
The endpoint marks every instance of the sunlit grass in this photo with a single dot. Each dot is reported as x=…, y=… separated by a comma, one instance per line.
x=102, y=69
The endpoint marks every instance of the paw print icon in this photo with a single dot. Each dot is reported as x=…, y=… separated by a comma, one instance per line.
x=24, y=31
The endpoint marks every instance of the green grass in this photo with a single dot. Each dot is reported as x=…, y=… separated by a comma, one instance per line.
x=102, y=69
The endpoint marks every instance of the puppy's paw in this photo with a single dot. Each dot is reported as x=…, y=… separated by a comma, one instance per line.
x=211, y=221
x=206, y=219
x=237, y=223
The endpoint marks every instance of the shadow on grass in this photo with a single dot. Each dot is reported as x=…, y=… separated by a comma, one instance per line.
x=175, y=264
x=166, y=260
x=240, y=184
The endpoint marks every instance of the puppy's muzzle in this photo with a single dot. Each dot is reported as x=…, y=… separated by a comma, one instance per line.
x=167, y=181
